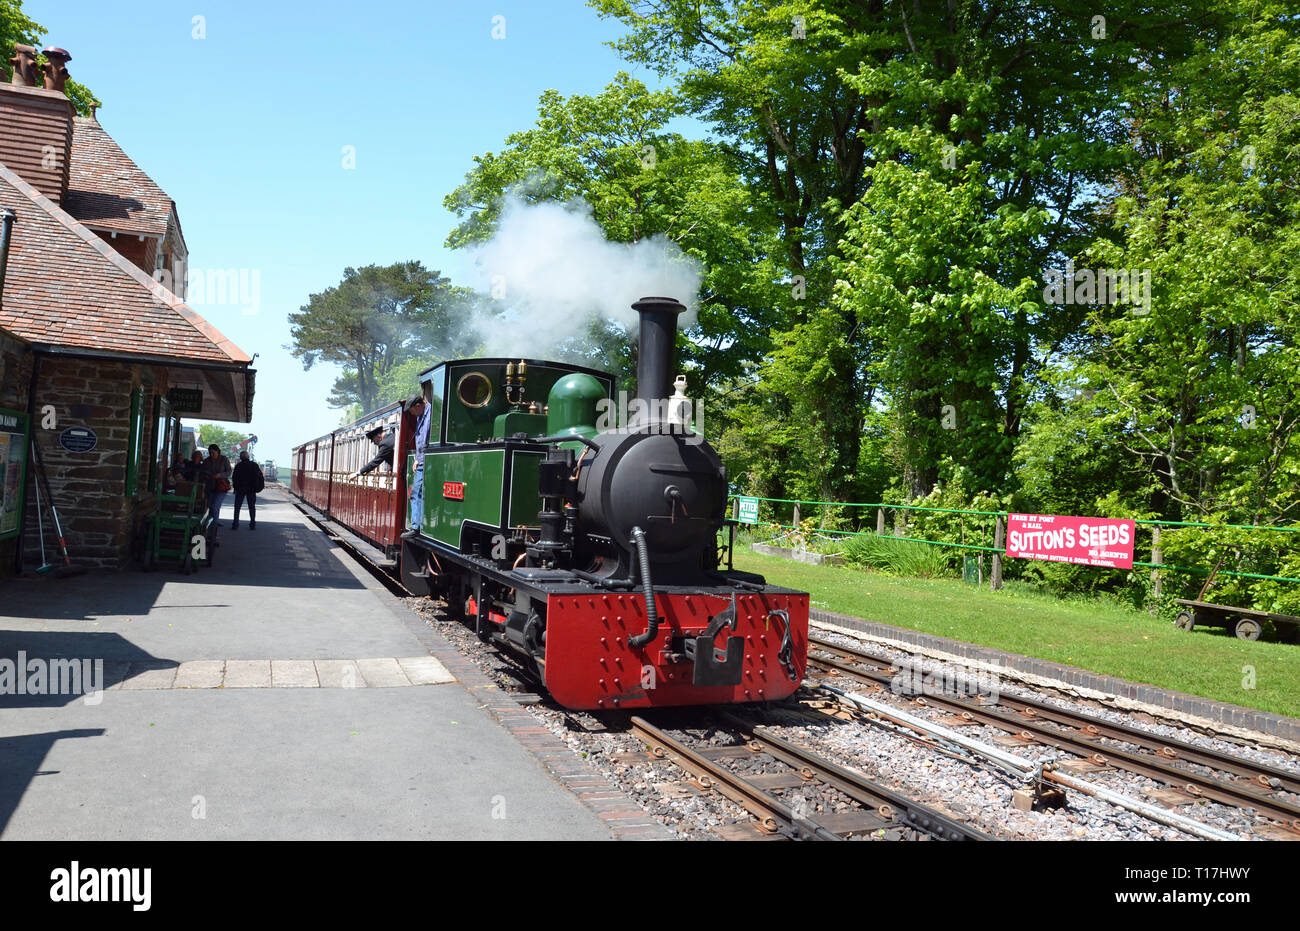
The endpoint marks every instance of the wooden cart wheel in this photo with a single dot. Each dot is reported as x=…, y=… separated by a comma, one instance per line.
x=1184, y=621
x=1248, y=629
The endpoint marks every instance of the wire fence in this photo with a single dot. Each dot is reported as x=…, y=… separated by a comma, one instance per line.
x=989, y=526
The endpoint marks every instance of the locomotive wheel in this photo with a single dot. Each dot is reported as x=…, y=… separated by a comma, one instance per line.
x=1248, y=629
x=1184, y=621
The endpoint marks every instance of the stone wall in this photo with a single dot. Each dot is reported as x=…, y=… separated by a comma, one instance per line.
x=99, y=515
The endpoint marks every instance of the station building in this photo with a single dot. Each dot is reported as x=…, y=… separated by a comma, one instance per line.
x=99, y=360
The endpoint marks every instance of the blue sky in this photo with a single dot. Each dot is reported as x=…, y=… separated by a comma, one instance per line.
x=245, y=129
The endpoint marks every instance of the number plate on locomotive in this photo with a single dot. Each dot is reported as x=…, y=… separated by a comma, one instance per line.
x=454, y=490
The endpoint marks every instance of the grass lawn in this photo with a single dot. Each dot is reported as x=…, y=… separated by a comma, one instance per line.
x=1094, y=635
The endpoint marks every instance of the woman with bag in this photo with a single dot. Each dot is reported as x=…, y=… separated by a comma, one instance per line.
x=247, y=482
x=215, y=474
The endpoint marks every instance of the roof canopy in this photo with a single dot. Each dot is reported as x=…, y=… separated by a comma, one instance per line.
x=67, y=292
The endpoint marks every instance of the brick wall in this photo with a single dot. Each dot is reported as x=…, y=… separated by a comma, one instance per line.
x=36, y=137
x=141, y=253
x=99, y=517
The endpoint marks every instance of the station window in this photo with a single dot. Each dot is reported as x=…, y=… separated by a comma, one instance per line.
x=164, y=430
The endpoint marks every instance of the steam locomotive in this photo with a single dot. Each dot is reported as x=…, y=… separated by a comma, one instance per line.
x=587, y=544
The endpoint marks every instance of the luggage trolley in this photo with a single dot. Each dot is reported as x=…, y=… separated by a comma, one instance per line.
x=1244, y=623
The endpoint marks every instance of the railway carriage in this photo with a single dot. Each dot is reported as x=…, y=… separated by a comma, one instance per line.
x=589, y=545
x=371, y=506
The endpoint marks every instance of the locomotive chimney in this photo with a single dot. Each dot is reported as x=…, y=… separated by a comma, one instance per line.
x=655, y=348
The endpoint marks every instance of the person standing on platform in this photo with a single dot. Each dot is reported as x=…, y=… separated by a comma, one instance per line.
x=215, y=474
x=247, y=482
x=385, y=442
x=416, y=407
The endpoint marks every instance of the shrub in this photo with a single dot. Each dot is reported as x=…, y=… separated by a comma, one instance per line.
x=897, y=557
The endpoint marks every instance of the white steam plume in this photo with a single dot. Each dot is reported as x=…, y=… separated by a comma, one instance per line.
x=552, y=266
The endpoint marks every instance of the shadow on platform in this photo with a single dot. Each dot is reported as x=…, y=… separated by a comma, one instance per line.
x=284, y=552
x=20, y=761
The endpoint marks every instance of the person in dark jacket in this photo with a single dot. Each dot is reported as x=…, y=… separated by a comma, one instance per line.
x=191, y=468
x=385, y=442
x=247, y=481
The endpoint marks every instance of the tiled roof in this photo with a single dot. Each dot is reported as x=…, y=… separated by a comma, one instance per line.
x=107, y=190
x=65, y=286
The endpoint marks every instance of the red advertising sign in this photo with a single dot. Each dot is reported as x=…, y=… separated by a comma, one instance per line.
x=454, y=490
x=1083, y=541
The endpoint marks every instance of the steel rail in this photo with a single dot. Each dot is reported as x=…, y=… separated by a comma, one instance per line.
x=869, y=794
x=1169, y=747
x=1145, y=764
x=1031, y=771
x=772, y=815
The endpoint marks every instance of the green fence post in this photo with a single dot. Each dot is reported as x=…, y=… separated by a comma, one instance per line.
x=1157, y=560
x=995, y=577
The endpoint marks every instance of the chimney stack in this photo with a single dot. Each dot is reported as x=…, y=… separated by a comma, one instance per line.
x=24, y=66
x=658, y=338
x=36, y=123
x=56, y=68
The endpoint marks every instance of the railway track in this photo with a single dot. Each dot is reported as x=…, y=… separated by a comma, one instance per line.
x=1240, y=783
x=768, y=776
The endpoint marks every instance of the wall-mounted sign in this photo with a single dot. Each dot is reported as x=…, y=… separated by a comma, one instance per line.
x=1083, y=541
x=748, y=511
x=78, y=439
x=13, y=466
x=186, y=400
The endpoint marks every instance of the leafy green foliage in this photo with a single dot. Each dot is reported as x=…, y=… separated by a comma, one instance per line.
x=385, y=324
x=897, y=557
x=614, y=151
x=224, y=437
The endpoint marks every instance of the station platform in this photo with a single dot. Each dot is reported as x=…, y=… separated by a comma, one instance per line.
x=279, y=694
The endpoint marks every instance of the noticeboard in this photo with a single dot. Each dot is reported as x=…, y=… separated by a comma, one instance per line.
x=1080, y=541
x=747, y=513
x=186, y=400
x=13, y=471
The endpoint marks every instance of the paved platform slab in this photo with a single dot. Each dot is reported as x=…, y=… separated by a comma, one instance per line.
x=279, y=694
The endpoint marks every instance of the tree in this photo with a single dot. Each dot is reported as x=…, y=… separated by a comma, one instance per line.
x=613, y=151
x=812, y=96
x=224, y=437
x=17, y=28
x=1198, y=391
x=378, y=318
x=927, y=274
